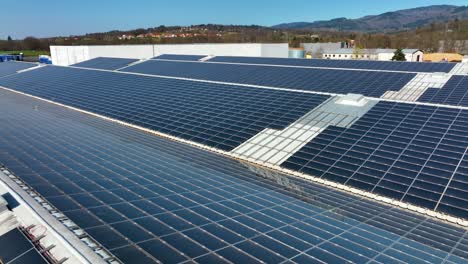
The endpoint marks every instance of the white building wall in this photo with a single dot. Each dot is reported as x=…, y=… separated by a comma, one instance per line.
x=347, y=56
x=209, y=49
x=416, y=54
x=409, y=56
x=275, y=50
x=381, y=56
x=246, y=49
x=321, y=48
x=386, y=56
x=122, y=51
x=67, y=55
x=337, y=56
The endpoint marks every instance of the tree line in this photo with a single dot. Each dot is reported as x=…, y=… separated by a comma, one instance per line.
x=442, y=37
x=448, y=37
x=29, y=43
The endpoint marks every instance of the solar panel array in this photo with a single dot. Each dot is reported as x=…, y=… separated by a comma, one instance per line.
x=15, y=248
x=180, y=57
x=319, y=80
x=103, y=63
x=220, y=116
x=412, y=153
x=454, y=92
x=147, y=199
x=344, y=64
x=11, y=67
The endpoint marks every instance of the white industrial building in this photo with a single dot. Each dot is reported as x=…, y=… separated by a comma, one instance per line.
x=413, y=55
x=67, y=55
x=465, y=59
x=317, y=50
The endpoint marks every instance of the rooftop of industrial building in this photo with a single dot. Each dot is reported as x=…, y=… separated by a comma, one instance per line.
x=237, y=159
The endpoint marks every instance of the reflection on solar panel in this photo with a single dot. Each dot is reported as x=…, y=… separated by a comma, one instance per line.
x=105, y=63
x=145, y=199
x=455, y=92
x=345, y=64
x=11, y=67
x=319, y=80
x=15, y=248
x=413, y=153
x=180, y=57
x=220, y=116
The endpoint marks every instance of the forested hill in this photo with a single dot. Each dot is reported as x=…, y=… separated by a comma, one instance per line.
x=388, y=22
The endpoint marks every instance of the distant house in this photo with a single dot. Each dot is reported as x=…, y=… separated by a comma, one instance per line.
x=372, y=54
x=152, y=35
x=125, y=37
x=465, y=59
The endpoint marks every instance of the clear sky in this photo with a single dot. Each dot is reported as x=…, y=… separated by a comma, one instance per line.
x=44, y=18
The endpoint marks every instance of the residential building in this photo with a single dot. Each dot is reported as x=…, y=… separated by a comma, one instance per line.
x=414, y=55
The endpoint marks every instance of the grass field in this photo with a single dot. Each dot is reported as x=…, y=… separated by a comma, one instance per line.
x=27, y=53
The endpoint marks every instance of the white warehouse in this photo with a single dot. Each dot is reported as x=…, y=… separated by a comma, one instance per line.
x=413, y=55
x=67, y=55
x=465, y=59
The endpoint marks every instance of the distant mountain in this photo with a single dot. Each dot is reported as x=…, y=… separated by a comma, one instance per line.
x=387, y=22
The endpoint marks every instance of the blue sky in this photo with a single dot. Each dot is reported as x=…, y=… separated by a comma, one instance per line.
x=20, y=18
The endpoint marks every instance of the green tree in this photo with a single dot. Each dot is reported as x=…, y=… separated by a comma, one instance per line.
x=31, y=43
x=399, y=55
x=295, y=42
x=9, y=38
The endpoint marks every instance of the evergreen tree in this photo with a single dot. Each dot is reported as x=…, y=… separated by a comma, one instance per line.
x=399, y=55
x=9, y=38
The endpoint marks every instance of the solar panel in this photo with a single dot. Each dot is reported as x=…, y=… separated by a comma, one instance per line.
x=11, y=67
x=220, y=116
x=319, y=80
x=454, y=92
x=345, y=64
x=180, y=57
x=147, y=199
x=411, y=153
x=16, y=248
x=105, y=63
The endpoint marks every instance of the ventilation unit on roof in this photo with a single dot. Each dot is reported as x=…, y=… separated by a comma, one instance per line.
x=439, y=75
x=353, y=100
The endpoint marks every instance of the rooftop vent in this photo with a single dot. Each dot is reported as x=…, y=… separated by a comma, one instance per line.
x=353, y=100
x=439, y=75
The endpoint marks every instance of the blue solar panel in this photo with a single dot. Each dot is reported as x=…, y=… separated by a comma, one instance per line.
x=105, y=63
x=411, y=153
x=16, y=248
x=11, y=67
x=220, y=116
x=180, y=57
x=319, y=80
x=147, y=199
x=454, y=92
x=345, y=64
